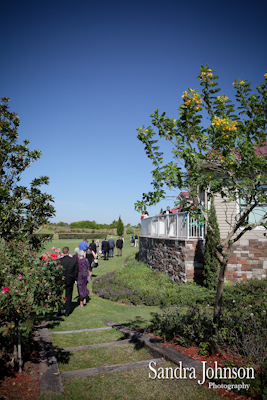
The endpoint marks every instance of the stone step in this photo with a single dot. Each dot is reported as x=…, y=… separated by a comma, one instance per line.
x=98, y=345
x=109, y=368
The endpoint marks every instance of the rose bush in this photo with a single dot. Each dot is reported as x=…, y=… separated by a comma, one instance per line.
x=29, y=285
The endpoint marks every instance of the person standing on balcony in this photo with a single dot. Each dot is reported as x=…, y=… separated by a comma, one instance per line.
x=168, y=211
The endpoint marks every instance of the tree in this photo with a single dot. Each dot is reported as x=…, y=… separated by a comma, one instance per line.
x=211, y=263
x=120, y=227
x=29, y=286
x=22, y=209
x=225, y=158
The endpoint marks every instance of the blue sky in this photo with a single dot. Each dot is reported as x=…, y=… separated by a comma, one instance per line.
x=84, y=75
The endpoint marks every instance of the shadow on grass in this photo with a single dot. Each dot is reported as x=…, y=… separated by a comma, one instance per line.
x=140, y=325
x=53, y=318
x=62, y=356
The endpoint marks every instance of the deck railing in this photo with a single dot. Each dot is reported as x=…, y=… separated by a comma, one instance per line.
x=180, y=225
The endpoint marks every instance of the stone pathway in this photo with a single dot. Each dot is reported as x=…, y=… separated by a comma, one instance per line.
x=50, y=376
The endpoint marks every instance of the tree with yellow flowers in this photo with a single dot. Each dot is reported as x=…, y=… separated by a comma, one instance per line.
x=226, y=157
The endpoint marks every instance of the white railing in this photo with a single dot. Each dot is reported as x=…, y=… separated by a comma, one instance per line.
x=179, y=225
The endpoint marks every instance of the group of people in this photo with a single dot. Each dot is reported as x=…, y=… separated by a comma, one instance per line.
x=134, y=240
x=108, y=246
x=78, y=268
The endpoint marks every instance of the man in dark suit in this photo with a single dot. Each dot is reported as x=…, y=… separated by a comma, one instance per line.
x=119, y=245
x=105, y=248
x=70, y=272
x=93, y=246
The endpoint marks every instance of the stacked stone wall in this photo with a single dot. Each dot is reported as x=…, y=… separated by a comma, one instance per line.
x=182, y=259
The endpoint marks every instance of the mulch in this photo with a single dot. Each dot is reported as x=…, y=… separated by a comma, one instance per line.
x=24, y=385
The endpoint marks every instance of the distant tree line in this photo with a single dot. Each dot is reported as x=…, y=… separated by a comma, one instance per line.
x=91, y=225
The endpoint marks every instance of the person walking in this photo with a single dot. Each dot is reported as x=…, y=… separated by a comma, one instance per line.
x=105, y=248
x=91, y=256
x=119, y=245
x=84, y=268
x=93, y=246
x=84, y=245
x=111, y=246
x=70, y=272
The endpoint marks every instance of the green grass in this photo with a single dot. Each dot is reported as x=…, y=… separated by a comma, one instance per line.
x=94, y=358
x=98, y=310
x=85, y=338
x=132, y=385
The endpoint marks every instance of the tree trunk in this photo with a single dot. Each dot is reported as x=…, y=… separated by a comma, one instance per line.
x=17, y=348
x=218, y=299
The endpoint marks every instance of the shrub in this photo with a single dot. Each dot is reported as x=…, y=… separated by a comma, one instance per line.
x=130, y=230
x=120, y=227
x=150, y=287
x=211, y=263
x=79, y=236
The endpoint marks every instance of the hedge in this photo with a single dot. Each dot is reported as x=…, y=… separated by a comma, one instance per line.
x=80, y=236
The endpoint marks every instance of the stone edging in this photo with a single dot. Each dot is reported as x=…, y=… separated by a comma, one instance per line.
x=50, y=379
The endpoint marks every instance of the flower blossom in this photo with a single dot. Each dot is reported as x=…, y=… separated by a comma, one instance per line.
x=5, y=290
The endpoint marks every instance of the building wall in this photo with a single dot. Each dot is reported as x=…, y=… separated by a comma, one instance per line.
x=247, y=260
x=182, y=259
x=226, y=216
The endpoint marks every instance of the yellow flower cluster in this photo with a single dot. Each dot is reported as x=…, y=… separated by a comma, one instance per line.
x=205, y=76
x=195, y=100
x=240, y=83
x=222, y=99
x=265, y=76
x=224, y=124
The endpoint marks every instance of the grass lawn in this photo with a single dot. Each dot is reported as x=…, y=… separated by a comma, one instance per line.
x=121, y=385
x=132, y=385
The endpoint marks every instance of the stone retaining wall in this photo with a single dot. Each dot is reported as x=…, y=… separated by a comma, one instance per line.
x=182, y=259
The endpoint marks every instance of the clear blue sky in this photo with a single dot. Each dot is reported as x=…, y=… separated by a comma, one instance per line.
x=84, y=75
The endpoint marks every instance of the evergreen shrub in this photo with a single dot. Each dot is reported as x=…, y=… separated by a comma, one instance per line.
x=211, y=263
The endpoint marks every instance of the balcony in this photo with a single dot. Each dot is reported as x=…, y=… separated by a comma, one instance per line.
x=180, y=225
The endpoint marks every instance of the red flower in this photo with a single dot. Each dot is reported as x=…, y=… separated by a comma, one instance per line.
x=5, y=290
x=65, y=298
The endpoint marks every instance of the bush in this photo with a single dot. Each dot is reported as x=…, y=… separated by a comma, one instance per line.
x=79, y=236
x=148, y=287
x=129, y=230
